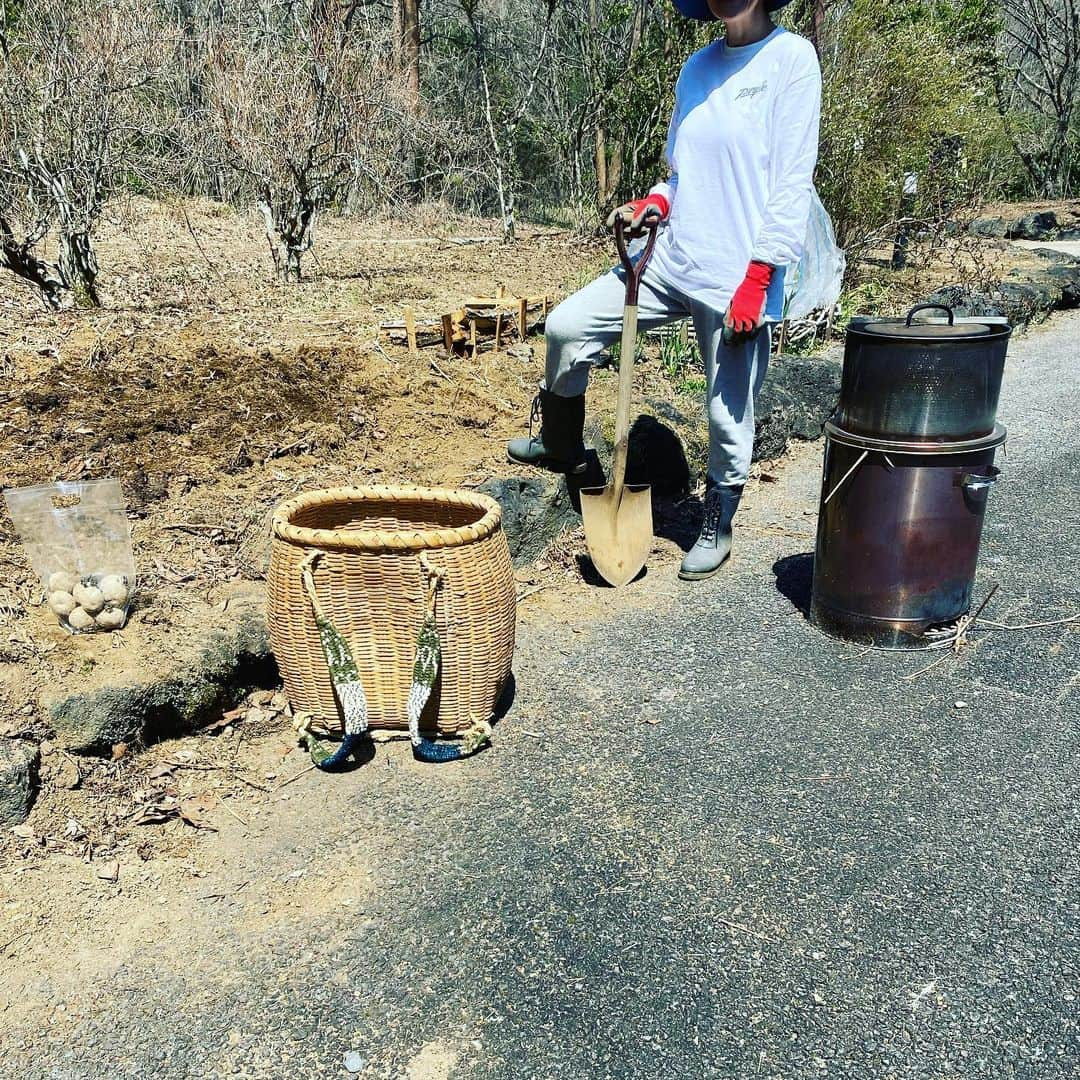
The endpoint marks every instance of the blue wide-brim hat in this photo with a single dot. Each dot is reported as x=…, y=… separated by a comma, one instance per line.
x=699, y=9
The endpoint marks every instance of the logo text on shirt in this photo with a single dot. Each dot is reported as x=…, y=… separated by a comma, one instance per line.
x=751, y=91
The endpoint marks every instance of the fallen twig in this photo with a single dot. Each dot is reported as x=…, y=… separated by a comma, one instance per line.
x=929, y=667
x=534, y=589
x=18, y=937
x=286, y=783
x=250, y=783
x=195, y=527
x=987, y=624
x=230, y=810
x=746, y=930
x=855, y=656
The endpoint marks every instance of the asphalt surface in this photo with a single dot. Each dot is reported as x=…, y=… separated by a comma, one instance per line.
x=709, y=842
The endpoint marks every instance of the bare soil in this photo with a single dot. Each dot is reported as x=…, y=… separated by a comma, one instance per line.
x=212, y=393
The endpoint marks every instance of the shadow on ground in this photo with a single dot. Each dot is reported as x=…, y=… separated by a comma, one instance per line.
x=794, y=579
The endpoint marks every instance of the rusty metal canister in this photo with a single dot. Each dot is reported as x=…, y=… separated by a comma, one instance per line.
x=899, y=530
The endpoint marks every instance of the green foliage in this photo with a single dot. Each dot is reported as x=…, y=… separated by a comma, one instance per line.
x=641, y=94
x=678, y=354
x=905, y=92
x=691, y=385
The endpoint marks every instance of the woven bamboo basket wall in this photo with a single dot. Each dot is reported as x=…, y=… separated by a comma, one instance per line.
x=372, y=585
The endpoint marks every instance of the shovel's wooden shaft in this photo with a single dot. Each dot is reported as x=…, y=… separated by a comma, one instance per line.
x=626, y=393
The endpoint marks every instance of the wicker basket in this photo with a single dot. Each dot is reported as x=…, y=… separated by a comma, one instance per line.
x=371, y=582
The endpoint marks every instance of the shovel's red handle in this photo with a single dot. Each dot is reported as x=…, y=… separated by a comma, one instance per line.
x=634, y=272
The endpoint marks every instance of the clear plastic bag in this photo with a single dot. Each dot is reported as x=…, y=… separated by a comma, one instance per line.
x=77, y=538
x=815, y=282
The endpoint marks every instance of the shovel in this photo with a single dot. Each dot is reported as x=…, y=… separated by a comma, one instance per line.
x=618, y=518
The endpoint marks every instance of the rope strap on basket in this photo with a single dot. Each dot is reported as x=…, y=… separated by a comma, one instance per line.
x=345, y=679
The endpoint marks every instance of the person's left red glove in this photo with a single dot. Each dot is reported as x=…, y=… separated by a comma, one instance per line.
x=748, y=304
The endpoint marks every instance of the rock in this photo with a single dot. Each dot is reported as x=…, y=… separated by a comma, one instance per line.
x=213, y=675
x=798, y=396
x=1023, y=300
x=1024, y=295
x=965, y=301
x=993, y=228
x=109, y=871
x=19, y=763
x=536, y=510
x=1033, y=226
x=1066, y=277
x=1068, y=234
x=354, y=1061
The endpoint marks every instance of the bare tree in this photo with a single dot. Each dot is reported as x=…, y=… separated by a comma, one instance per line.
x=74, y=92
x=291, y=111
x=23, y=226
x=1040, y=88
x=506, y=99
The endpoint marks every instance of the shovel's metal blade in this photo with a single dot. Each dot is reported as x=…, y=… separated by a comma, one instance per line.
x=619, y=534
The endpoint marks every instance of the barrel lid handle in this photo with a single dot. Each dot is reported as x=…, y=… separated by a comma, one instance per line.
x=931, y=307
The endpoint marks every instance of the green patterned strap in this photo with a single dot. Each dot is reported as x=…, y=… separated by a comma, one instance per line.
x=349, y=690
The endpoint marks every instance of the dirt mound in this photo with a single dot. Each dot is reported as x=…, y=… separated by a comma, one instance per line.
x=148, y=415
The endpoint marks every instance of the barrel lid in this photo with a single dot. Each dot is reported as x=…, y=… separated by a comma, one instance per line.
x=925, y=329
x=897, y=328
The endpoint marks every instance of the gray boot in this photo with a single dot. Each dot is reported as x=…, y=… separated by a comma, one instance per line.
x=560, y=446
x=714, y=544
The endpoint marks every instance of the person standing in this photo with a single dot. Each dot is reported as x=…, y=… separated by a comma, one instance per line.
x=742, y=147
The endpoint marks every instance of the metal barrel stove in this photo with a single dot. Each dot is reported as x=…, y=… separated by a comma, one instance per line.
x=909, y=464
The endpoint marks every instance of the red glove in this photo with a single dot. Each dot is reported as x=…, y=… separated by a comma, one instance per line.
x=748, y=303
x=641, y=207
x=634, y=213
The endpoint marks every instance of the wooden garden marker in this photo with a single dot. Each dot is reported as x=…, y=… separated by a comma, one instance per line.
x=410, y=331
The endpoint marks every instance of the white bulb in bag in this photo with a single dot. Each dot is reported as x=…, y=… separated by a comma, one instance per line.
x=80, y=620
x=89, y=598
x=62, y=602
x=113, y=588
x=111, y=619
x=62, y=581
x=77, y=538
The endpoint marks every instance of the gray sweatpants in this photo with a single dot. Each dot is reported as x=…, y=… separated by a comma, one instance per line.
x=584, y=324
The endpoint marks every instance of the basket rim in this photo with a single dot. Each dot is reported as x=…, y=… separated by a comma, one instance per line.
x=385, y=539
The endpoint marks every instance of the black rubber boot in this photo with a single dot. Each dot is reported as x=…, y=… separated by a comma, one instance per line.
x=714, y=544
x=560, y=446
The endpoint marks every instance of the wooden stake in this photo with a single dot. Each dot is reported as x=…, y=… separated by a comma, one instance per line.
x=410, y=330
x=448, y=332
x=498, y=331
x=523, y=318
x=472, y=335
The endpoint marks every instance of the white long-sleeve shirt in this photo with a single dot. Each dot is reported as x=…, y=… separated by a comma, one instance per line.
x=742, y=147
